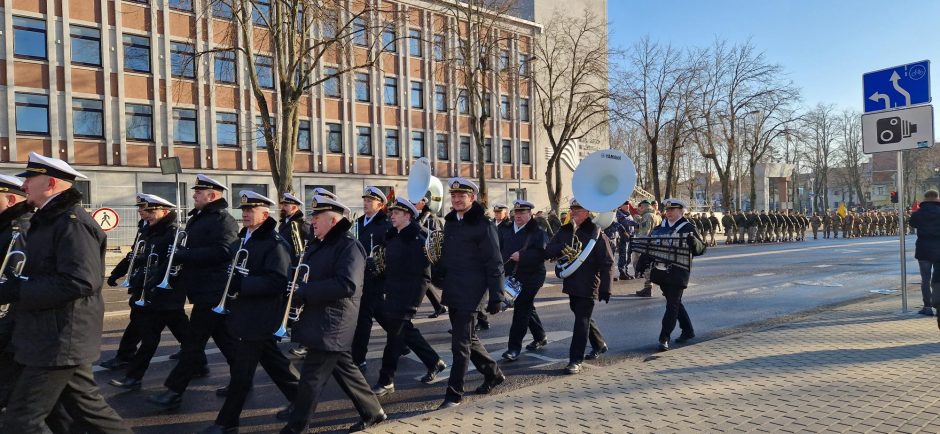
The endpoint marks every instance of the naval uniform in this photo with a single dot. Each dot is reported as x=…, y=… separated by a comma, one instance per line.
x=14, y=220
x=674, y=280
x=529, y=241
x=371, y=234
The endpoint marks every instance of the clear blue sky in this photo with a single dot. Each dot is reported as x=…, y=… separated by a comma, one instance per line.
x=824, y=45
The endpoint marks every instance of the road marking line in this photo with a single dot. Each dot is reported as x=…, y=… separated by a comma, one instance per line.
x=822, y=266
x=764, y=274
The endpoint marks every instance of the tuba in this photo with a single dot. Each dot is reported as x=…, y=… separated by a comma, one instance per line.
x=423, y=184
x=601, y=182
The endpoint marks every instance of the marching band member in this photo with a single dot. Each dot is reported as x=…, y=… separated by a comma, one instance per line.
x=500, y=214
x=292, y=222
x=154, y=308
x=255, y=303
x=15, y=213
x=522, y=245
x=407, y=277
x=327, y=323
x=59, y=309
x=211, y=241
x=469, y=268
x=371, y=228
x=589, y=283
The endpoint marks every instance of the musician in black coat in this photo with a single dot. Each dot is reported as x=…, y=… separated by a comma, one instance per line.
x=59, y=309
x=673, y=280
x=330, y=301
x=407, y=277
x=371, y=228
x=211, y=241
x=588, y=284
x=15, y=213
x=470, y=272
x=522, y=247
x=155, y=308
x=254, y=308
x=292, y=224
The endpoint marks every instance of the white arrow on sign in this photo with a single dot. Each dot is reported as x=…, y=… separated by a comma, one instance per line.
x=878, y=95
x=894, y=81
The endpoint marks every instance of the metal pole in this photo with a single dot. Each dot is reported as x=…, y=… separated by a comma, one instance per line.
x=179, y=206
x=902, y=231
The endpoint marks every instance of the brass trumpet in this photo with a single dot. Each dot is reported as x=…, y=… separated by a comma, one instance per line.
x=18, y=268
x=179, y=240
x=139, y=245
x=152, y=259
x=292, y=313
x=237, y=266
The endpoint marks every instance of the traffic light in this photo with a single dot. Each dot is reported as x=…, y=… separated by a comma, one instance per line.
x=894, y=197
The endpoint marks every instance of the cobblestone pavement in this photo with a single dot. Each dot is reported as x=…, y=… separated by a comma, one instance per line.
x=863, y=367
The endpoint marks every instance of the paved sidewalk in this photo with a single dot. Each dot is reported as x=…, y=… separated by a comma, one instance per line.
x=859, y=368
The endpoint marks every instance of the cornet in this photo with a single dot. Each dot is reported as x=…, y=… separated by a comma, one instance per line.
x=292, y=313
x=179, y=240
x=152, y=259
x=138, y=246
x=237, y=266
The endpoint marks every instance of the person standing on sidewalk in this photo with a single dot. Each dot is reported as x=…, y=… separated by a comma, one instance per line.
x=927, y=222
x=585, y=286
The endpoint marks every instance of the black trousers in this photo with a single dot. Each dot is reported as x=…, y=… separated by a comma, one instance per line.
x=248, y=354
x=403, y=332
x=524, y=317
x=133, y=334
x=434, y=299
x=584, y=328
x=67, y=396
x=9, y=372
x=675, y=311
x=368, y=309
x=203, y=324
x=316, y=370
x=150, y=326
x=466, y=347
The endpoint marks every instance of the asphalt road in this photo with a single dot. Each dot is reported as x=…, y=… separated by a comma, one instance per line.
x=733, y=288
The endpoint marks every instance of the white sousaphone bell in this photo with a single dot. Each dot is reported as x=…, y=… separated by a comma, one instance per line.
x=603, y=181
x=423, y=183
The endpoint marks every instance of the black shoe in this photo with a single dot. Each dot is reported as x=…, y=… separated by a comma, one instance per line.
x=364, y=424
x=926, y=310
x=438, y=313
x=685, y=337
x=114, y=364
x=483, y=325
x=127, y=383
x=168, y=399
x=595, y=353
x=489, y=385
x=284, y=413
x=383, y=389
x=432, y=373
x=573, y=368
x=644, y=293
x=176, y=355
x=300, y=351
x=537, y=345
x=511, y=355
x=447, y=404
x=219, y=429
x=664, y=346
x=623, y=276
x=202, y=372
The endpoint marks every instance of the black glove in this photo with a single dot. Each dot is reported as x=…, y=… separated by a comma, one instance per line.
x=604, y=296
x=112, y=281
x=494, y=307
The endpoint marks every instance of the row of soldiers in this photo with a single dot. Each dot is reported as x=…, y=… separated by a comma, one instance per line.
x=859, y=224
x=764, y=227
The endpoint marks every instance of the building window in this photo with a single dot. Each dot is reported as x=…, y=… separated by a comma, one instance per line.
x=165, y=190
x=334, y=138
x=139, y=122
x=504, y=108
x=87, y=118
x=441, y=143
x=29, y=37
x=261, y=189
x=507, y=151
x=136, y=53
x=463, y=103
x=525, y=153
x=226, y=129
x=260, y=143
x=362, y=87
x=524, y=65
x=391, y=143
x=359, y=32
x=524, y=109
x=264, y=68
x=440, y=98
x=414, y=43
x=222, y=9
x=417, y=144
x=485, y=103
x=417, y=95
x=461, y=51
x=261, y=13
x=438, y=48
x=32, y=113
x=303, y=136
x=364, y=140
x=225, y=70
x=464, y=148
x=86, y=45
x=488, y=150
x=83, y=187
x=182, y=5
x=390, y=93
x=182, y=60
x=389, y=44
x=503, y=60
x=331, y=85
x=184, y=126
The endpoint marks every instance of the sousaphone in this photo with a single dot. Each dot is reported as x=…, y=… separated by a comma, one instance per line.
x=423, y=184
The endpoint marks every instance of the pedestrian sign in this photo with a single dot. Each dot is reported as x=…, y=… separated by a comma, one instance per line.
x=107, y=218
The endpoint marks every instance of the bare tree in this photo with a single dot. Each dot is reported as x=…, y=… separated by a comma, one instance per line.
x=821, y=131
x=776, y=119
x=293, y=39
x=571, y=86
x=850, y=151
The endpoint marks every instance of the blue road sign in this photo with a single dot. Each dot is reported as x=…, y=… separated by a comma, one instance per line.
x=897, y=87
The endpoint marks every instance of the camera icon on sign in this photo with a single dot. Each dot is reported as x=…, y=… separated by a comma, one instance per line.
x=893, y=129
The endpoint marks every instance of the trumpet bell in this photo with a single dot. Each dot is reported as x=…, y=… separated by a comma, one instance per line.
x=141, y=303
x=221, y=310
x=281, y=332
x=422, y=182
x=604, y=180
